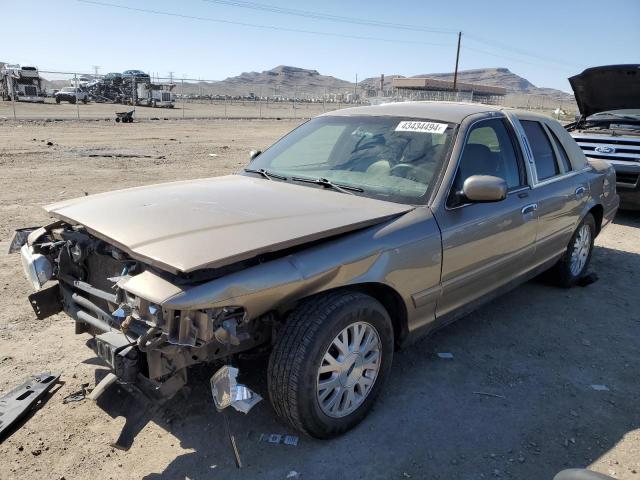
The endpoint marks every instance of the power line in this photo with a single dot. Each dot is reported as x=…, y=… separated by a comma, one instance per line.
x=518, y=51
x=263, y=7
x=376, y=23
x=255, y=25
x=506, y=57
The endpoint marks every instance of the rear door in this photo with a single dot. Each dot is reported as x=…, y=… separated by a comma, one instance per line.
x=559, y=191
x=485, y=245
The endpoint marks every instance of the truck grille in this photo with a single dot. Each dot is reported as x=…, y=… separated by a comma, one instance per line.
x=610, y=148
x=30, y=91
x=166, y=97
x=630, y=179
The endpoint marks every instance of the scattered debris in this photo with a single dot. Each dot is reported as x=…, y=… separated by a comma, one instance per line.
x=15, y=404
x=79, y=395
x=277, y=438
x=227, y=392
x=446, y=355
x=486, y=394
x=573, y=413
x=586, y=343
x=600, y=388
x=293, y=474
x=49, y=144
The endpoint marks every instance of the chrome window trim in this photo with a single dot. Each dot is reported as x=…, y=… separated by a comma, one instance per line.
x=464, y=144
x=562, y=175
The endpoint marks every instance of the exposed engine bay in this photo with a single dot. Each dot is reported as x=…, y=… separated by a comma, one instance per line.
x=142, y=342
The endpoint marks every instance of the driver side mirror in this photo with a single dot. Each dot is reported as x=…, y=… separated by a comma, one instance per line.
x=484, y=188
x=253, y=154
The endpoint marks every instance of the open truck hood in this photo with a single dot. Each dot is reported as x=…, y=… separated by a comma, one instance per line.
x=612, y=87
x=189, y=225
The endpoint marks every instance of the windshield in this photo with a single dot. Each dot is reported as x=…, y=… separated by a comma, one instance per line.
x=392, y=158
x=68, y=89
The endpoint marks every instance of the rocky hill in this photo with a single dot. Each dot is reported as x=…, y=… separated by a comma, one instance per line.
x=287, y=81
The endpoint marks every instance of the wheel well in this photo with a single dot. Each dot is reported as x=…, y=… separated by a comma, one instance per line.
x=598, y=212
x=391, y=301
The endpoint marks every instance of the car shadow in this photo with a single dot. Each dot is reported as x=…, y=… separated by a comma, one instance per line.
x=515, y=401
x=628, y=218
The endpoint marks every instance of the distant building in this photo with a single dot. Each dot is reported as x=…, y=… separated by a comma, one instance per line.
x=433, y=89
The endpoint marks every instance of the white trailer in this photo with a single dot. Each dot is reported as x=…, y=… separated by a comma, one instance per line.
x=22, y=84
x=155, y=94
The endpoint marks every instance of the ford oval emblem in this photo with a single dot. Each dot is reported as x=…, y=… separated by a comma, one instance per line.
x=605, y=149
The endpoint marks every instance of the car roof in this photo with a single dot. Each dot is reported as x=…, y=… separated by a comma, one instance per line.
x=453, y=112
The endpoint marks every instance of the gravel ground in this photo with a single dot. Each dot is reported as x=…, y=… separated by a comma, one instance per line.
x=515, y=401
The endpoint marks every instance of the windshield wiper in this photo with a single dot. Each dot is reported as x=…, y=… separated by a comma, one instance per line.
x=329, y=184
x=266, y=174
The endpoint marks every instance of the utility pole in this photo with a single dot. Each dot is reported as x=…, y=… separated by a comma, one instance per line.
x=170, y=77
x=75, y=81
x=455, y=73
x=355, y=89
x=95, y=70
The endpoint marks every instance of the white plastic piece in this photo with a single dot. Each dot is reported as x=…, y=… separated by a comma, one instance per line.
x=227, y=391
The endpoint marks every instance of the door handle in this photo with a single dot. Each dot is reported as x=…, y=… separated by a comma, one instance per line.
x=580, y=190
x=532, y=207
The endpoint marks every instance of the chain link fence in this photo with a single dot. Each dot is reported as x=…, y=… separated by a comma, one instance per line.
x=75, y=95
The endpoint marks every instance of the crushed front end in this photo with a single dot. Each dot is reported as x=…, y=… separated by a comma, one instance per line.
x=144, y=343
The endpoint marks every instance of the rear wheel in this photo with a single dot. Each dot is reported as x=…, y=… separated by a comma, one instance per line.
x=57, y=99
x=575, y=261
x=330, y=362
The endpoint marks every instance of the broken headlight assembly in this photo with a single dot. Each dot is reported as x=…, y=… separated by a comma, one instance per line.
x=192, y=328
x=37, y=267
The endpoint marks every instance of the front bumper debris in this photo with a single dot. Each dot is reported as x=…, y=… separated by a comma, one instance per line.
x=15, y=404
x=227, y=391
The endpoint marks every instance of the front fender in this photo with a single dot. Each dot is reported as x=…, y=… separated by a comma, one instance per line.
x=403, y=253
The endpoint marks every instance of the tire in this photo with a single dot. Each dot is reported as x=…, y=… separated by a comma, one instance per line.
x=570, y=268
x=72, y=101
x=84, y=100
x=57, y=100
x=117, y=119
x=304, y=342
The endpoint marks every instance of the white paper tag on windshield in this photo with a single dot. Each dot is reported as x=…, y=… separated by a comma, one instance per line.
x=421, y=127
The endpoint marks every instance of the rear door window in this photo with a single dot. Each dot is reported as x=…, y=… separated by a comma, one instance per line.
x=564, y=158
x=545, y=158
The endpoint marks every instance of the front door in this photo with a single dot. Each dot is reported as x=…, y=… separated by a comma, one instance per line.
x=485, y=245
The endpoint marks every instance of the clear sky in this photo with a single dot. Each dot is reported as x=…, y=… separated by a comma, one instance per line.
x=544, y=41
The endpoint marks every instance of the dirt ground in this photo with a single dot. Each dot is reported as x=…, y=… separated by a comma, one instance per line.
x=515, y=401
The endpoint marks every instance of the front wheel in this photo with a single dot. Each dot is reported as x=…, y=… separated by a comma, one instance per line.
x=330, y=362
x=575, y=261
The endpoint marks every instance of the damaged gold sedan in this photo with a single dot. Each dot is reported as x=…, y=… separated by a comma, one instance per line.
x=356, y=233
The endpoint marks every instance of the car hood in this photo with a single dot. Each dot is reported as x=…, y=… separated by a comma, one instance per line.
x=612, y=87
x=190, y=225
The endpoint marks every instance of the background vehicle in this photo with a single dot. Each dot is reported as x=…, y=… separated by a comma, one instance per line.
x=358, y=232
x=609, y=126
x=112, y=77
x=22, y=84
x=155, y=94
x=136, y=74
x=71, y=95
